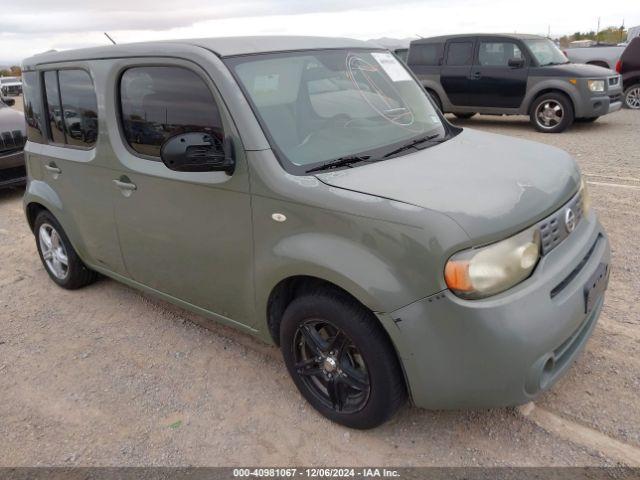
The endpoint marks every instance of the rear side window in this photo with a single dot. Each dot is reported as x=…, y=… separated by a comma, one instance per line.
x=32, y=107
x=72, y=109
x=428, y=54
x=460, y=53
x=497, y=53
x=54, y=112
x=160, y=102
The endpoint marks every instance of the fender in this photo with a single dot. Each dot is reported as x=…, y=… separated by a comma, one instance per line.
x=41, y=193
x=351, y=266
x=537, y=85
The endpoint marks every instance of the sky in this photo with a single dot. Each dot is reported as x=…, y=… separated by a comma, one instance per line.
x=33, y=26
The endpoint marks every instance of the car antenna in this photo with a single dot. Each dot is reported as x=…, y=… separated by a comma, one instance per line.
x=419, y=36
x=107, y=35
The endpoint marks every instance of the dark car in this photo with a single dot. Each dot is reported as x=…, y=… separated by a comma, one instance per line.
x=629, y=67
x=513, y=75
x=12, y=140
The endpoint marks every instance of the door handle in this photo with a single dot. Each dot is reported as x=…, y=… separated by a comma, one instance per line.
x=53, y=168
x=125, y=185
x=476, y=75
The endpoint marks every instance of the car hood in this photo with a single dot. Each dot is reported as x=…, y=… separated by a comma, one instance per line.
x=11, y=119
x=579, y=70
x=489, y=184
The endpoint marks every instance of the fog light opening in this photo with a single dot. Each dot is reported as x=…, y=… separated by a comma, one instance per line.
x=547, y=371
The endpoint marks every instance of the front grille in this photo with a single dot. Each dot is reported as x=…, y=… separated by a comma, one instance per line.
x=574, y=273
x=613, y=81
x=553, y=229
x=615, y=98
x=12, y=141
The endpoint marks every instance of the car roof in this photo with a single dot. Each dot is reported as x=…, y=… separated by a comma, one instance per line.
x=443, y=38
x=223, y=47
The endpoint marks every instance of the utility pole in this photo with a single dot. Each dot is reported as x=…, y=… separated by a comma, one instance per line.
x=598, y=31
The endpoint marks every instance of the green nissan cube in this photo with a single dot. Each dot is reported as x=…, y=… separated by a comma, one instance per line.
x=306, y=191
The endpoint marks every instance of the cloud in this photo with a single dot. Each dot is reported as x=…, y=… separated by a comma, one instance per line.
x=55, y=17
x=33, y=26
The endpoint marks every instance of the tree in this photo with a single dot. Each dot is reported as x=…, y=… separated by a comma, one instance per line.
x=16, y=71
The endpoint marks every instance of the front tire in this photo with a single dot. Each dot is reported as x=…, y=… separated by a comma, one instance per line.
x=551, y=113
x=58, y=256
x=632, y=97
x=341, y=360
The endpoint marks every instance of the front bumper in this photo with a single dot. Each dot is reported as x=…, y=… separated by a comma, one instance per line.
x=602, y=104
x=507, y=349
x=12, y=169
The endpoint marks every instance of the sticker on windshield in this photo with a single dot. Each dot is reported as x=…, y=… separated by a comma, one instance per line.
x=266, y=83
x=391, y=66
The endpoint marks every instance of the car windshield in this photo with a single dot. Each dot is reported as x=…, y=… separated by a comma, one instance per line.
x=318, y=106
x=546, y=52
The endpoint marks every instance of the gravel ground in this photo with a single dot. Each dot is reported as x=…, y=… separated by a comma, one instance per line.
x=109, y=376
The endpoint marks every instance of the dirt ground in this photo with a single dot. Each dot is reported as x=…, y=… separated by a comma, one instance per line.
x=109, y=376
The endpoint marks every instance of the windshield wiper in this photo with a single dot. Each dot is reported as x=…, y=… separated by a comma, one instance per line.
x=340, y=162
x=413, y=143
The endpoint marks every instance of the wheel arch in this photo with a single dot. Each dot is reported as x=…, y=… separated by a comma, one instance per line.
x=551, y=89
x=38, y=197
x=286, y=290
x=630, y=81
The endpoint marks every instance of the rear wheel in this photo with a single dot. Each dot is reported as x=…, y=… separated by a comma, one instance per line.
x=551, y=113
x=341, y=360
x=632, y=97
x=465, y=115
x=58, y=256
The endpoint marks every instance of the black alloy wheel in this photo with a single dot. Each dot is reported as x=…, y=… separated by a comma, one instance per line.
x=331, y=366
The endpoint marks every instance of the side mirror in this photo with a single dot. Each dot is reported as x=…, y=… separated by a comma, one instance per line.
x=516, y=62
x=8, y=101
x=198, y=152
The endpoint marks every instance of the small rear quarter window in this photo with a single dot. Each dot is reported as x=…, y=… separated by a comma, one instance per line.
x=79, y=107
x=32, y=107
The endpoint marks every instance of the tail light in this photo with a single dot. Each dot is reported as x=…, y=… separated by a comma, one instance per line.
x=619, y=66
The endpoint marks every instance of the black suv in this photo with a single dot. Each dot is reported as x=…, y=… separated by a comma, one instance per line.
x=629, y=67
x=513, y=75
x=12, y=140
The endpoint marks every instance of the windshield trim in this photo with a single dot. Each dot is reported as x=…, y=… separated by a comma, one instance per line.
x=303, y=170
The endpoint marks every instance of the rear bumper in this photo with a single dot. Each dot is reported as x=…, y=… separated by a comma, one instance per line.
x=507, y=349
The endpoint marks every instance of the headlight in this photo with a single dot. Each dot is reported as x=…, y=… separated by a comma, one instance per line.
x=596, y=85
x=481, y=272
